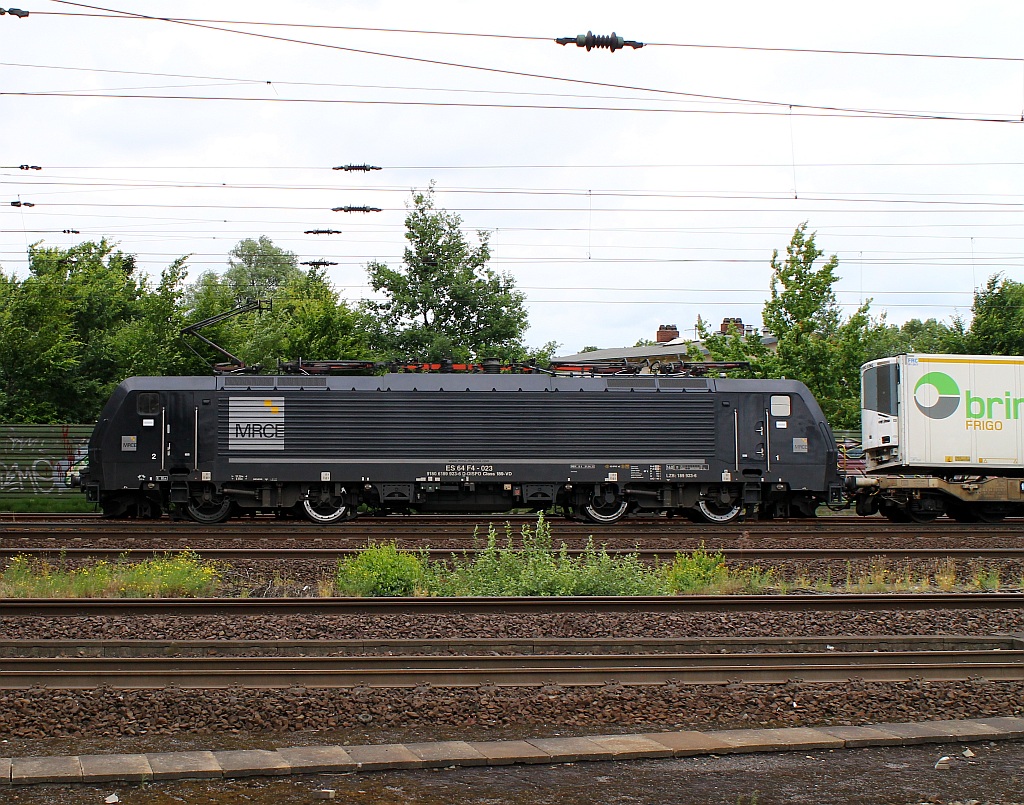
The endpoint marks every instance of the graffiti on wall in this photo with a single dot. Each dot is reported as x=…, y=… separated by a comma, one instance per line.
x=36, y=459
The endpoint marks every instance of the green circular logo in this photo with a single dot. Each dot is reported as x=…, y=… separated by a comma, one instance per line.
x=937, y=395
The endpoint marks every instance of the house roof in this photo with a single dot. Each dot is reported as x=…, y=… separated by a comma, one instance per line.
x=675, y=350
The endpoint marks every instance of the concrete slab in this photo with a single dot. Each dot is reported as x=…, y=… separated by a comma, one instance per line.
x=570, y=750
x=252, y=763
x=970, y=729
x=317, y=759
x=940, y=731
x=854, y=737
x=505, y=753
x=384, y=756
x=447, y=753
x=630, y=747
x=5, y=771
x=1011, y=727
x=178, y=765
x=688, y=743
x=65, y=769
x=108, y=768
x=777, y=740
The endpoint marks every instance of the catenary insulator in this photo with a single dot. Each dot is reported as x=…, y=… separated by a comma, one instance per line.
x=590, y=41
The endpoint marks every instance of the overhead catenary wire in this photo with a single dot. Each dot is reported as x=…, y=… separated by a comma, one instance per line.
x=781, y=105
x=548, y=38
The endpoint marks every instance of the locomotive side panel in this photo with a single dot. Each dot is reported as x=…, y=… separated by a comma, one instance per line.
x=407, y=435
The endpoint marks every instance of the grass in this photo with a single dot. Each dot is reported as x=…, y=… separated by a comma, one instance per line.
x=182, y=575
x=47, y=504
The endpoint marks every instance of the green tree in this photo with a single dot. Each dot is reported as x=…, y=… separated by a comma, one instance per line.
x=928, y=336
x=257, y=268
x=316, y=323
x=444, y=302
x=306, y=319
x=736, y=345
x=81, y=321
x=997, y=324
x=814, y=343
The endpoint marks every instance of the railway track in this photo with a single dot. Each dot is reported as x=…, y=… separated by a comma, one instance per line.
x=645, y=664
x=653, y=605
x=768, y=555
x=421, y=524
x=449, y=534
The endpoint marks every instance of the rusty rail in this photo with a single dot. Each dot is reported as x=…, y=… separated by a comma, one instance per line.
x=518, y=670
x=241, y=607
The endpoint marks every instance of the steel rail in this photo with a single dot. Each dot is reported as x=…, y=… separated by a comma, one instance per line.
x=242, y=607
x=513, y=671
x=648, y=554
x=423, y=527
x=128, y=648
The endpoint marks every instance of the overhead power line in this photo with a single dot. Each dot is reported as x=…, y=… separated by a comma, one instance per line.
x=784, y=105
x=777, y=110
x=547, y=38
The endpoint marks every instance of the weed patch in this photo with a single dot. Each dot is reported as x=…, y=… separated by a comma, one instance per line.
x=182, y=575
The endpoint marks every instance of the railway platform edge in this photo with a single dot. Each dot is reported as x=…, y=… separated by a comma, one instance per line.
x=70, y=769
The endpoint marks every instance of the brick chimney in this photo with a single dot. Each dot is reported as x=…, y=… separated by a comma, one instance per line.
x=730, y=325
x=667, y=332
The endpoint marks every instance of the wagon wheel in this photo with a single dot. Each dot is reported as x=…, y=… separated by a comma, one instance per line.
x=713, y=511
x=146, y=509
x=601, y=511
x=990, y=514
x=916, y=516
x=325, y=511
x=208, y=512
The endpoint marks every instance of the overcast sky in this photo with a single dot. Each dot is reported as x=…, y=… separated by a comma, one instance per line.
x=622, y=190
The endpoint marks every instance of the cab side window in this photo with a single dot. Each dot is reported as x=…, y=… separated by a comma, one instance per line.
x=147, y=403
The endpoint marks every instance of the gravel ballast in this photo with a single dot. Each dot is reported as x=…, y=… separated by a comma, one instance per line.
x=44, y=713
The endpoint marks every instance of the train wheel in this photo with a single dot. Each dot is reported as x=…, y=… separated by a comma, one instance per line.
x=208, y=512
x=147, y=509
x=919, y=516
x=964, y=515
x=894, y=512
x=712, y=511
x=605, y=512
x=324, y=512
x=990, y=515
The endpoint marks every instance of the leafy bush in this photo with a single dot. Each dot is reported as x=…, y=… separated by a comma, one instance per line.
x=537, y=568
x=381, y=570
x=696, y=572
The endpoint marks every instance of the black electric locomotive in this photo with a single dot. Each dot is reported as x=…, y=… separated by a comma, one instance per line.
x=597, y=447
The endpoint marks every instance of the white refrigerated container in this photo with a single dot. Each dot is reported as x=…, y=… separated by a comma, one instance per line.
x=956, y=414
